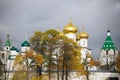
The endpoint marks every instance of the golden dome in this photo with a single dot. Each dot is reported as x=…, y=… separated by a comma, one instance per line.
x=70, y=28
x=82, y=34
x=88, y=55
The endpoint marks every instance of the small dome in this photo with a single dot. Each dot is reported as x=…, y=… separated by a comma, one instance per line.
x=82, y=34
x=88, y=55
x=70, y=28
x=14, y=49
x=25, y=43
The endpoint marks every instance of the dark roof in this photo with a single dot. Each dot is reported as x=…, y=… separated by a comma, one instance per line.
x=25, y=43
x=108, y=44
x=14, y=49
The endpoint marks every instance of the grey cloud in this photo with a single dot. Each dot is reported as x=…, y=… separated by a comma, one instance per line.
x=18, y=17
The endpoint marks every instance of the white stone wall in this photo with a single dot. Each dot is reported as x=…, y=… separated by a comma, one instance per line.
x=92, y=76
x=71, y=36
x=108, y=58
x=102, y=75
x=24, y=49
x=83, y=42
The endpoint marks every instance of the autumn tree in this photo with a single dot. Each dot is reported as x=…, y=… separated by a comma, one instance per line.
x=68, y=56
x=93, y=63
x=117, y=63
x=36, y=42
x=27, y=61
x=50, y=47
x=62, y=54
x=41, y=43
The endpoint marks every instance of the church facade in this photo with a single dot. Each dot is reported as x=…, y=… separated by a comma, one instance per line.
x=9, y=54
x=81, y=38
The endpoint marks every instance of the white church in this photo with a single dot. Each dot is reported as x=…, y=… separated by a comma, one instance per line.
x=10, y=52
x=108, y=52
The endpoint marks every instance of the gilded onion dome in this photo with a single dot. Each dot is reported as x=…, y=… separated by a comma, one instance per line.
x=88, y=55
x=70, y=28
x=82, y=34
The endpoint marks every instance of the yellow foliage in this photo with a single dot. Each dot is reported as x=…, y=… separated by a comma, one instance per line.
x=42, y=77
x=39, y=59
x=29, y=54
x=19, y=76
x=28, y=57
x=18, y=59
x=117, y=64
x=93, y=63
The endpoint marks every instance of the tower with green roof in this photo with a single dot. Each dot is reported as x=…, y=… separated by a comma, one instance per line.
x=25, y=46
x=7, y=48
x=7, y=43
x=108, y=51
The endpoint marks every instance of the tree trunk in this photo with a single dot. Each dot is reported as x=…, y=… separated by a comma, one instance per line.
x=57, y=69
x=66, y=73
x=63, y=69
x=39, y=70
x=50, y=67
x=27, y=73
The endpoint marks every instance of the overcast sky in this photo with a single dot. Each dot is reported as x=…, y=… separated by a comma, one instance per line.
x=20, y=17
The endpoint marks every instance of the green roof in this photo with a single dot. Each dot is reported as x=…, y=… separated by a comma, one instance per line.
x=8, y=41
x=108, y=44
x=25, y=43
x=14, y=49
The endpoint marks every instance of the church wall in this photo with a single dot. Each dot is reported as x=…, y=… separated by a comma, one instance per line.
x=92, y=76
x=103, y=75
x=71, y=36
x=83, y=42
x=24, y=49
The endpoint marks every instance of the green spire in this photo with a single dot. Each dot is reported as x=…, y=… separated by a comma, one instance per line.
x=108, y=44
x=8, y=43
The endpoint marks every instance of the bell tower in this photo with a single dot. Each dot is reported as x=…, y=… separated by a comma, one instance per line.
x=108, y=52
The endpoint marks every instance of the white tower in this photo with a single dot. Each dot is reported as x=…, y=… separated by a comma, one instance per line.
x=108, y=52
x=7, y=48
x=25, y=46
x=82, y=40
